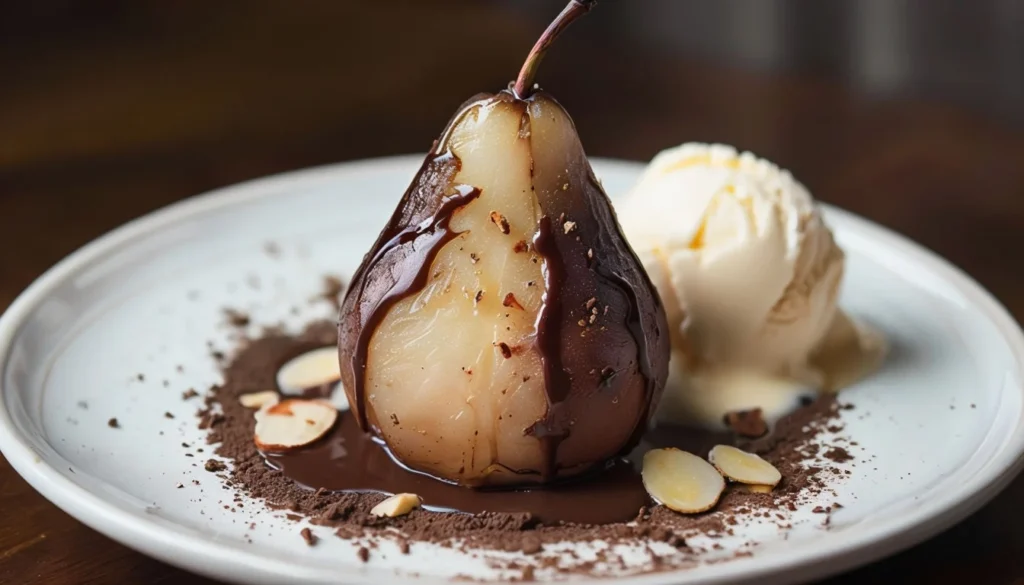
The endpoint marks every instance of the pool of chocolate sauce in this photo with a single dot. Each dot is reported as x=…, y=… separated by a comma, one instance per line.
x=349, y=460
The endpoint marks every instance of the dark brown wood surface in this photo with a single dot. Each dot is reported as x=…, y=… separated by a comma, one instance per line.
x=108, y=115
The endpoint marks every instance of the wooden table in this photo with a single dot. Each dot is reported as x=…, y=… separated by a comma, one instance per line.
x=102, y=126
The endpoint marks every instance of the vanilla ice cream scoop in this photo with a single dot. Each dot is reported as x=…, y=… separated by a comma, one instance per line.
x=747, y=270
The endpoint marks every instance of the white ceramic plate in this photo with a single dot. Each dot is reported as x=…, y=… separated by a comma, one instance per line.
x=940, y=427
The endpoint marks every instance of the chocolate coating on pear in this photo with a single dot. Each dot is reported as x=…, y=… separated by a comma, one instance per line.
x=600, y=331
x=398, y=265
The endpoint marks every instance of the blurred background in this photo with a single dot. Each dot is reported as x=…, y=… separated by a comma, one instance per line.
x=907, y=111
x=910, y=112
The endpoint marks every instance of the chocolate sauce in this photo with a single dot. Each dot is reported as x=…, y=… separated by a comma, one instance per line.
x=568, y=260
x=425, y=240
x=350, y=460
x=549, y=344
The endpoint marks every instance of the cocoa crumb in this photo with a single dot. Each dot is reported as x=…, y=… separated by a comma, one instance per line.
x=213, y=465
x=838, y=454
x=363, y=554
x=510, y=301
x=500, y=221
x=112, y=423
x=505, y=350
x=747, y=423
x=236, y=318
x=190, y=393
x=208, y=419
x=308, y=536
x=520, y=247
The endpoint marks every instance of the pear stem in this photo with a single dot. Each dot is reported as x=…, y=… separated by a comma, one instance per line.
x=574, y=10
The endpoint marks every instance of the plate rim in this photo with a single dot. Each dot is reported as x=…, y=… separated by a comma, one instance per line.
x=222, y=561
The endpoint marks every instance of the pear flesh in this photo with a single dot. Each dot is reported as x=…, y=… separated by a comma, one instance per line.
x=501, y=331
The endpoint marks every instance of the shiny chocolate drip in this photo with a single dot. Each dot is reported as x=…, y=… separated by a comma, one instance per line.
x=349, y=460
x=603, y=233
x=603, y=373
x=426, y=238
x=557, y=381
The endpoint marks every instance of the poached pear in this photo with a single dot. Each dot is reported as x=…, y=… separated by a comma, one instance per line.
x=501, y=331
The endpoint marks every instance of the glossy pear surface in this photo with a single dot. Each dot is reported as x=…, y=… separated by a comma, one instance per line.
x=501, y=331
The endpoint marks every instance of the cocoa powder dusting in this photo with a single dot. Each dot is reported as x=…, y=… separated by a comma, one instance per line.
x=838, y=454
x=236, y=318
x=255, y=366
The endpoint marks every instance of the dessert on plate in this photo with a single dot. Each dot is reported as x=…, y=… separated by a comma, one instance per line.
x=503, y=350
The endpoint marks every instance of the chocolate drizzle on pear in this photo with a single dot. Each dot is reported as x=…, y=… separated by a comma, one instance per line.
x=603, y=367
x=410, y=251
x=568, y=256
x=592, y=415
x=551, y=430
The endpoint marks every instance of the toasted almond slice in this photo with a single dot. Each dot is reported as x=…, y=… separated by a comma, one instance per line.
x=259, y=399
x=738, y=465
x=681, y=481
x=293, y=423
x=397, y=505
x=313, y=369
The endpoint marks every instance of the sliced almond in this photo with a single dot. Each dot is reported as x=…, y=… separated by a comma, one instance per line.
x=397, y=505
x=259, y=399
x=293, y=423
x=738, y=465
x=314, y=369
x=681, y=481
